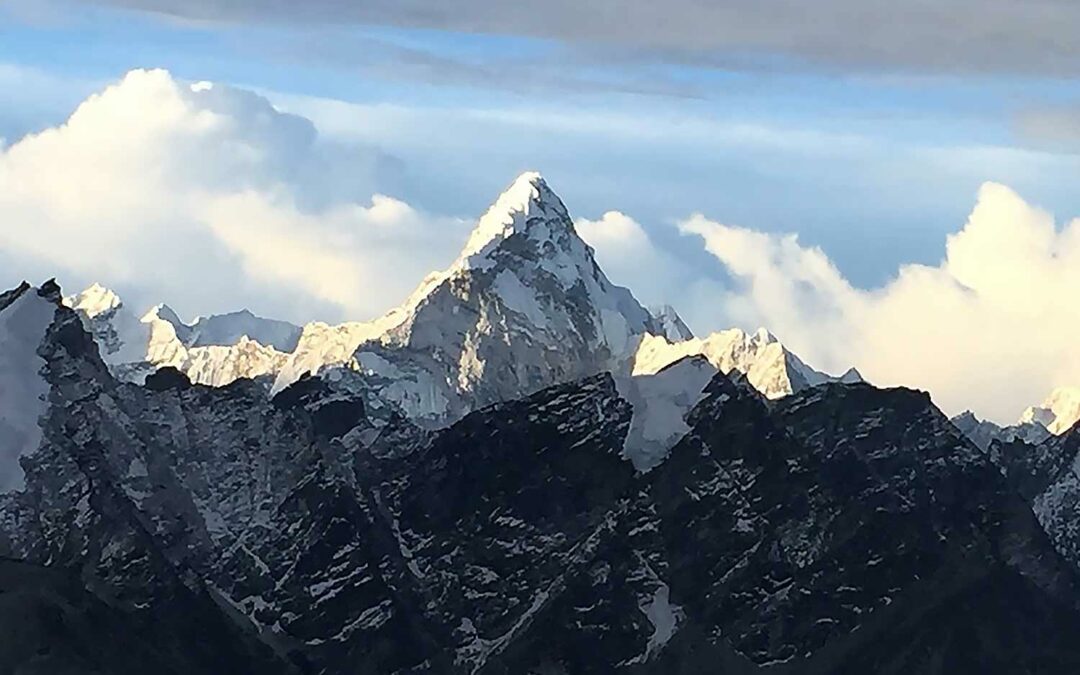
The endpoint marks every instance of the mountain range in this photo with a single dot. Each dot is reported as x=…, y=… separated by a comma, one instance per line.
x=519, y=470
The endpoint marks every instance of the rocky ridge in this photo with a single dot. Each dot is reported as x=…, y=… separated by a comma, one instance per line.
x=824, y=532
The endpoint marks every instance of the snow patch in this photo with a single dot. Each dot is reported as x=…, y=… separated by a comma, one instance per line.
x=661, y=402
x=664, y=618
x=520, y=298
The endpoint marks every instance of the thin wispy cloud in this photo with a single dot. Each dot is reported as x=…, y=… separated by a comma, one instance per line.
x=960, y=36
x=1052, y=127
x=555, y=70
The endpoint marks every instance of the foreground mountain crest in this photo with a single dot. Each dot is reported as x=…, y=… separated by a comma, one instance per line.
x=839, y=529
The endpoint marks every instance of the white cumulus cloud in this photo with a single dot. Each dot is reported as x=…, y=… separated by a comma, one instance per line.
x=993, y=327
x=209, y=198
x=624, y=250
x=630, y=257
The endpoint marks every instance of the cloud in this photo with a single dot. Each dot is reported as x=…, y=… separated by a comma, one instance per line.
x=517, y=71
x=992, y=327
x=959, y=36
x=34, y=99
x=624, y=250
x=208, y=197
x=620, y=241
x=630, y=257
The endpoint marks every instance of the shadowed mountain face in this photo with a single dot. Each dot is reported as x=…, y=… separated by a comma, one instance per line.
x=1047, y=474
x=53, y=624
x=871, y=521
x=843, y=529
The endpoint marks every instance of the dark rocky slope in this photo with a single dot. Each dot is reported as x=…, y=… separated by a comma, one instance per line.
x=844, y=529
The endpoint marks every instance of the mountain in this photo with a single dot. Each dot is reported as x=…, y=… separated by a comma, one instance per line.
x=215, y=350
x=671, y=326
x=841, y=529
x=1055, y=416
x=223, y=330
x=1058, y=413
x=769, y=367
x=1047, y=474
x=64, y=506
x=24, y=317
x=524, y=306
x=102, y=305
x=859, y=532
x=984, y=432
x=52, y=623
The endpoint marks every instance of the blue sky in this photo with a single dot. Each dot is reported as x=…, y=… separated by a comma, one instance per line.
x=876, y=167
x=866, y=128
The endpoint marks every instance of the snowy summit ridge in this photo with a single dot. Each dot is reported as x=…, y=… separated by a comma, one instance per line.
x=94, y=301
x=528, y=195
x=522, y=307
x=768, y=365
x=1058, y=413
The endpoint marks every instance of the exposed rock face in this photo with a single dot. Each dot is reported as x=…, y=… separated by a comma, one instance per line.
x=78, y=510
x=1047, y=474
x=52, y=623
x=840, y=529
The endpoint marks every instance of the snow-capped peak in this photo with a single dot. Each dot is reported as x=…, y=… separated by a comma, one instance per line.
x=227, y=329
x=514, y=212
x=769, y=367
x=1058, y=413
x=984, y=432
x=524, y=306
x=670, y=324
x=163, y=313
x=94, y=301
x=215, y=350
x=851, y=376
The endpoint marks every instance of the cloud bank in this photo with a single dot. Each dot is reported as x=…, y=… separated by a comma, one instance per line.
x=958, y=36
x=656, y=275
x=993, y=327
x=210, y=198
